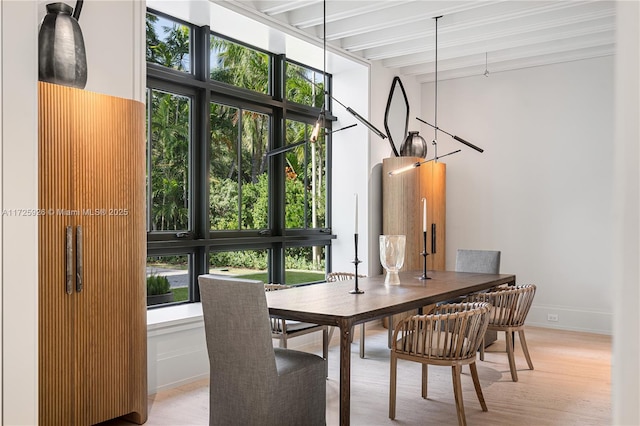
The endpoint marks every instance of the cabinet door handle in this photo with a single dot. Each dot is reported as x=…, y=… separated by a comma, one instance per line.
x=69, y=251
x=79, y=268
x=433, y=238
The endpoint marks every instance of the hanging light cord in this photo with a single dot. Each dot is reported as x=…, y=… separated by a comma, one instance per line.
x=435, y=131
x=324, y=56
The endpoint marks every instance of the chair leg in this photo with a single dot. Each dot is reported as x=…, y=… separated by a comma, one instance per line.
x=523, y=342
x=512, y=361
x=425, y=376
x=393, y=363
x=457, y=392
x=476, y=384
x=283, y=341
x=325, y=350
x=482, y=350
x=362, y=340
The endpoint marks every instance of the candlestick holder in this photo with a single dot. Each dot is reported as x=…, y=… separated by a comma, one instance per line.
x=424, y=255
x=355, y=262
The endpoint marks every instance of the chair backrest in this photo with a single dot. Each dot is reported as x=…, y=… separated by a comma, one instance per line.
x=511, y=304
x=480, y=261
x=238, y=334
x=278, y=325
x=341, y=276
x=450, y=332
x=274, y=287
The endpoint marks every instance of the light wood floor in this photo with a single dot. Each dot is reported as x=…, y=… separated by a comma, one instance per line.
x=570, y=386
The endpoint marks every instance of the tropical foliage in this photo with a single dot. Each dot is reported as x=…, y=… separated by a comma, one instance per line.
x=238, y=142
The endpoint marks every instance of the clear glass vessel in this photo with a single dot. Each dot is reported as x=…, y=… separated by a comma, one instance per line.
x=392, y=256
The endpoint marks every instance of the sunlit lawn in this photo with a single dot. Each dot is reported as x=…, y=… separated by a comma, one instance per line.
x=291, y=277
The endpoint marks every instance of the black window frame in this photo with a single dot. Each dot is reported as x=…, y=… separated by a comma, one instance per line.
x=199, y=240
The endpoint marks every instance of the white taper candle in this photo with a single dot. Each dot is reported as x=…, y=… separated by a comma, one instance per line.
x=424, y=215
x=356, y=221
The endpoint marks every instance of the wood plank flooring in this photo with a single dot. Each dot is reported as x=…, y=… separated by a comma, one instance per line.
x=570, y=385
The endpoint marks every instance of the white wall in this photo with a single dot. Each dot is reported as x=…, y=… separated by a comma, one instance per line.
x=626, y=343
x=116, y=67
x=19, y=233
x=542, y=190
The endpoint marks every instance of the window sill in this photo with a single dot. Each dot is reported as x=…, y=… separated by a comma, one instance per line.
x=174, y=318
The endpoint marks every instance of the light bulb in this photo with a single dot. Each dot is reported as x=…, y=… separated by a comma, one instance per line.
x=316, y=132
x=404, y=169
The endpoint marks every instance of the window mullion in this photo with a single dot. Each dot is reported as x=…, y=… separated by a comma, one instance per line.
x=216, y=85
x=200, y=159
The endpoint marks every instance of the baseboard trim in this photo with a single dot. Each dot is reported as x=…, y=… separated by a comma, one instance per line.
x=571, y=319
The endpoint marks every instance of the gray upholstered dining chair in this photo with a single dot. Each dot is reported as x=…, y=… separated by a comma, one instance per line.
x=483, y=262
x=283, y=330
x=251, y=382
x=449, y=336
x=511, y=305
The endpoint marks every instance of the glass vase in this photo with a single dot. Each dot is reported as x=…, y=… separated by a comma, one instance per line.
x=392, y=256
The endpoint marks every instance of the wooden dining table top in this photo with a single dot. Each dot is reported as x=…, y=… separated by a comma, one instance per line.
x=328, y=303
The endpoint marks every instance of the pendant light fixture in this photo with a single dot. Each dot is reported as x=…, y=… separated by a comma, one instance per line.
x=435, y=125
x=316, y=129
x=350, y=110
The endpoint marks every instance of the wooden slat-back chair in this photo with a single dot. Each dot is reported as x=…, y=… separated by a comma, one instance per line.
x=449, y=335
x=511, y=305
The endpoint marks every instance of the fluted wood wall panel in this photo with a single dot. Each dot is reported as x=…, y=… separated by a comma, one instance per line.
x=104, y=138
x=55, y=305
x=402, y=209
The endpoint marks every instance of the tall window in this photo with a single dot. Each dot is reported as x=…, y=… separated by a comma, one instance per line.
x=218, y=199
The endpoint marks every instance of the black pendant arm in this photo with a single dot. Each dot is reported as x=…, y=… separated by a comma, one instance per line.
x=366, y=123
x=459, y=139
x=469, y=144
x=77, y=10
x=286, y=148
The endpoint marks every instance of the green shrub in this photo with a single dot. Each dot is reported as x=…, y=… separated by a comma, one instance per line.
x=157, y=284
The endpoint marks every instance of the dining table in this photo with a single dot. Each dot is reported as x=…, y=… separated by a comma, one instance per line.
x=337, y=304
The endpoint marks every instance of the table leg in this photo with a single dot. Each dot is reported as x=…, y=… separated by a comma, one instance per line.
x=345, y=372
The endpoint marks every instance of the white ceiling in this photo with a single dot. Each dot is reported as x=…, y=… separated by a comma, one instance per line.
x=401, y=33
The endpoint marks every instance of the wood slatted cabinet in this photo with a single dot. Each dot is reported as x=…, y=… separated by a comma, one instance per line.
x=402, y=209
x=92, y=244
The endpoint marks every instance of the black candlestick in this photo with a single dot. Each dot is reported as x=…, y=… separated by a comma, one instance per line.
x=424, y=255
x=355, y=261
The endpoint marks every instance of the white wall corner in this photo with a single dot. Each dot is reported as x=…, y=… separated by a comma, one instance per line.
x=625, y=382
x=1, y=222
x=19, y=52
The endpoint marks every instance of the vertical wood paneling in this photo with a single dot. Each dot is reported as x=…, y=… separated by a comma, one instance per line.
x=402, y=214
x=107, y=175
x=55, y=310
x=402, y=208
x=433, y=186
